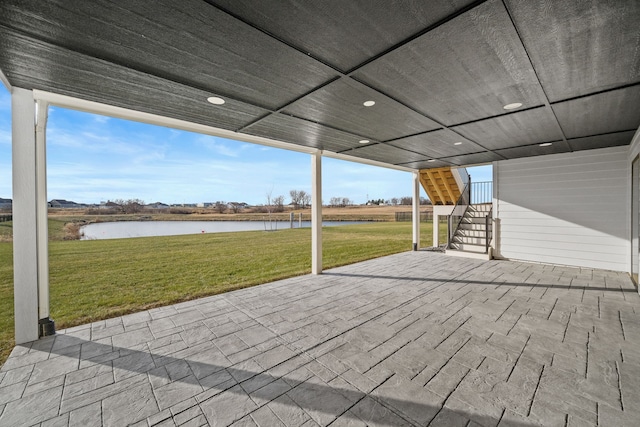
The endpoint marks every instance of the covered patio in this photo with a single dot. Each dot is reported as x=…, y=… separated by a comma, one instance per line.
x=417, y=338
x=547, y=92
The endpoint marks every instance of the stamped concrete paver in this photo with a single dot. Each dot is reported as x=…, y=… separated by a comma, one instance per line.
x=411, y=339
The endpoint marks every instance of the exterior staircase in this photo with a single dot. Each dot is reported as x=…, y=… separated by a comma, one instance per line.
x=468, y=206
x=443, y=185
x=472, y=236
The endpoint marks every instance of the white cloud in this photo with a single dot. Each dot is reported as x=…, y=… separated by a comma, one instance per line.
x=101, y=119
x=225, y=147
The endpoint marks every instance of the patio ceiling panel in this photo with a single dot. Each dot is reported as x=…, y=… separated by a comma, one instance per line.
x=187, y=41
x=574, y=43
x=521, y=128
x=71, y=73
x=465, y=70
x=602, y=141
x=426, y=164
x=340, y=105
x=533, y=150
x=436, y=144
x=589, y=115
x=303, y=132
x=387, y=153
x=343, y=33
x=473, y=158
x=298, y=71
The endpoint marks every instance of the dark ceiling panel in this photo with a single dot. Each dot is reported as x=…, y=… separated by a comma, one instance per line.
x=580, y=46
x=386, y=153
x=340, y=104
x=297, y=131
x=533, y=150
x=464, y=70
x=343, y=33
x=436, y=144
x=522, y=128
x=457, y=64
x=69, y=73
x=602, y=113
x=425, y=164
x=473, y=159
x=602, y=141
x=186, y=41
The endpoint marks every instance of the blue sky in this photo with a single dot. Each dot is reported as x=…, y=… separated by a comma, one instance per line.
x=91, y=158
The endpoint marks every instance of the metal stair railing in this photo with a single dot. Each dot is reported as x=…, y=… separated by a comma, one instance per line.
x=488, y=231
x=457, y=216
x=481, y=192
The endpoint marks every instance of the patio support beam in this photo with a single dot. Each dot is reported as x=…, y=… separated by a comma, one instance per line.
x=46, y=326
x=316, y=213
x=5, y=81
x=416, y=211
x=30, y=245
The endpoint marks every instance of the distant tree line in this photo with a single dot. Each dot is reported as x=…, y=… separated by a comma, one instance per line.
x=127, y=206
x=340, y=202
x=299, y=199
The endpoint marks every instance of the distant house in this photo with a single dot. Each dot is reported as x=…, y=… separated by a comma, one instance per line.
x=65, y=204
x=6, y=203
x=109, y=205
x=158, y=205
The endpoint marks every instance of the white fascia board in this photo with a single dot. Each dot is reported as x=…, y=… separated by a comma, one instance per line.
x=153, y=119
x=138, y=116
x=5, y=81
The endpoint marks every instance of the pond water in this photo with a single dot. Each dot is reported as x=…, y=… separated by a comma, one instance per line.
x=125, y=229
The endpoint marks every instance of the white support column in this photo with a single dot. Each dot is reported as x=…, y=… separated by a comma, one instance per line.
x=25, y=236
x=416, y=211
x=42, y=113
x=316, y=213
x=30, y=228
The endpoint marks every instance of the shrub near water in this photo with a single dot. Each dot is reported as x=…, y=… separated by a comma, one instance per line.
x=93, y=280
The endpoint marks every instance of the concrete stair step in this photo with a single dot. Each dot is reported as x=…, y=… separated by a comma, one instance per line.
x=473, y=220
x=469, y=247
x=479, y=232
x=486, y=207
x=468, y=254
x=469, y=226
x=476, y=214
x=469, y=240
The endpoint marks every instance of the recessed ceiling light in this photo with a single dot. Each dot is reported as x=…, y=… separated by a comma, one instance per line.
x=513, y=106
x=369, y=103
x=457, y=143
x=364, y=141
x=431, y=160
x=546, y=144
x=215, y=100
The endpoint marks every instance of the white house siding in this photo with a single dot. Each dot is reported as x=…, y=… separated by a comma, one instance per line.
x=569, y=209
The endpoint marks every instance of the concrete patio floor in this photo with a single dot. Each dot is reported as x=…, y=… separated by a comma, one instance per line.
x=416, y=338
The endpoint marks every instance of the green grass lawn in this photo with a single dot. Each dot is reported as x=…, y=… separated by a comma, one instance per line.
x=93, y=280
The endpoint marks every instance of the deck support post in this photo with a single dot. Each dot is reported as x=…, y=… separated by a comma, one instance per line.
x=30, y=233
x=316, y=213
x=416, y=211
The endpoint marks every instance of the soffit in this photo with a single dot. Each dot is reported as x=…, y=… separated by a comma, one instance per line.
x=440, y=72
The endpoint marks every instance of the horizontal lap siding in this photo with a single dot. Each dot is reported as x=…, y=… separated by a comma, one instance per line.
x=565, y=209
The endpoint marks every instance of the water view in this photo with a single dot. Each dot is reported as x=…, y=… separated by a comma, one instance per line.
x=125, y=229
